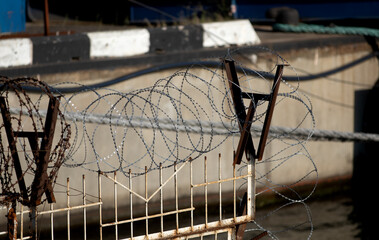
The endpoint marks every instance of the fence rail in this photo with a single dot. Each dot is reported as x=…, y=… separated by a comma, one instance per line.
x=179, y=230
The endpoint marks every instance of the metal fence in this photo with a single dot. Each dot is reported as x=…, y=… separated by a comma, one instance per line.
x=189, y=211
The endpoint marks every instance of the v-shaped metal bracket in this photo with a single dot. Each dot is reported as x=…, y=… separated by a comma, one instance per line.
x=245, y=120
x=41, y=154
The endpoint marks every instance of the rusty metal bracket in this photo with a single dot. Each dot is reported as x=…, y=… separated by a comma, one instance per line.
x=245, y=120
x=270, y=110
x=41, y=183
x=12, y=146
x=261, y=235
x=239, y=108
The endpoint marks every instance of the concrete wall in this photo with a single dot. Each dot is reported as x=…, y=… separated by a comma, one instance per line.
x=332, y=103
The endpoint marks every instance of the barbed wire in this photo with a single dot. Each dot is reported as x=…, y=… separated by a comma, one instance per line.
x=25, y=130
x=185, y=115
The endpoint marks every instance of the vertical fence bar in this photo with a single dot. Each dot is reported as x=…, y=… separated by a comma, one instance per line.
x=176, y=196
x=131, y=203
x=100, y=207
x=161, y=194
x=191, y=186
x=206, y=191
x=234, y=193
x=219, y=187
x=249, y=187
x=252, y=187
x=146, y=205
x=22, y=222
x=68, y=206
x=115, y=205
x=52, y=221
x=231, y=235
x=84, y=209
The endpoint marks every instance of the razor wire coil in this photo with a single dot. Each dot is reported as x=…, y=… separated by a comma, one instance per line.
x=185, y=115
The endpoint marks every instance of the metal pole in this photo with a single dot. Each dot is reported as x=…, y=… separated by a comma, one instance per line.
x=52, y=221
x=100, y=208
x=12, y=147
x=146, y=205
x=191, y=186
x=251, y=188
x=161, y=193
x=270, y=111
x=206, y=192
x=84, y=209
x=115, y=205
x=12, y=222
x=234, y=192
x=33, y=218
x=22, y=222
x=68, y=206
x=239, y=107
x=131, y=203
x=46, y=18
x=219, y=186
x=176, y=196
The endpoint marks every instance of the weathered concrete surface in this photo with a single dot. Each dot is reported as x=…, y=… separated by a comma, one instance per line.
x=333, y=106
x=332, y=100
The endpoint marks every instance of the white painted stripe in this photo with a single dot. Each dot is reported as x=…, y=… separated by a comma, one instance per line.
x=119, y=43
x=239, y=32
x=16, y=52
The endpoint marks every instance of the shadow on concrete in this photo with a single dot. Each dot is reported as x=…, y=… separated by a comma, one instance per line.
x=366, y=159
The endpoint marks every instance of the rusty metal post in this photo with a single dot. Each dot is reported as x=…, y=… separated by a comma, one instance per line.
x=33, y=222
x=245, y=133
x=41, y=181
x=46, y=18
x=239, y=107
x=12, y=223
x=245, y=120
x=270, y=110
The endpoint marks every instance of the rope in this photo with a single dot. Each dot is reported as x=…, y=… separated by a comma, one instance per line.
x=311, y=28
x=214, y=128
x=179, y=117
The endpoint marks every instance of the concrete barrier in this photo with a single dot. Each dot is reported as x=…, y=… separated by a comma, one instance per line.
x=238, y=33
x=16, y=52
x=125, y=43
x=119, y=43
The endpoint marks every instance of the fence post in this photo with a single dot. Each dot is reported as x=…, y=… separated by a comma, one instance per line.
x=100, y=207
x=33, y=218
x=12, y=222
